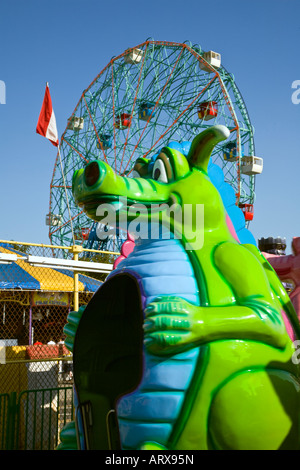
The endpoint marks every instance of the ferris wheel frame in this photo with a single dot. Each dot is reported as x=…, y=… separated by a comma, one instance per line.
x=124, y=83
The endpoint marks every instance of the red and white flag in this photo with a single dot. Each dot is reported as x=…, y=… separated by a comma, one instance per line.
x=46, y=125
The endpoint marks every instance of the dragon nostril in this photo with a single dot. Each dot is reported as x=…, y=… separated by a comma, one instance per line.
x=91, y=173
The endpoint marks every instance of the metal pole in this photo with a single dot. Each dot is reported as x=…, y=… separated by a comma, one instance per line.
x=76, y=249
x=67, y=199
x=30, y=318
x=11, y=420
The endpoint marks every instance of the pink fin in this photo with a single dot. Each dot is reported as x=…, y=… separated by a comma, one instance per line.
x=288, y=326
x=126, y=249
x=231, y=228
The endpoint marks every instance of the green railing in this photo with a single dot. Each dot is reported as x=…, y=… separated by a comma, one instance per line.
x=34, y=419
x=4, y=422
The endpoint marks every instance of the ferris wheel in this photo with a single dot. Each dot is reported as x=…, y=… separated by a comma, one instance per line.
x=150, y=95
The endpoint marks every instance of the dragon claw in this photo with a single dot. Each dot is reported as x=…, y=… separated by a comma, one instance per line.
x=167, y=324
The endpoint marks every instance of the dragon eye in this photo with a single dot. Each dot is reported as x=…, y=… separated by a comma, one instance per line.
x=159, y=171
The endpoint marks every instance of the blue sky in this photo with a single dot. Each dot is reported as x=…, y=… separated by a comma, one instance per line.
x=67, y=43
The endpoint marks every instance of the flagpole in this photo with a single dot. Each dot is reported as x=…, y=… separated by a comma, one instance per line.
x=75, y=248
x=63, y=175
x=46, y=126
x=67, y=199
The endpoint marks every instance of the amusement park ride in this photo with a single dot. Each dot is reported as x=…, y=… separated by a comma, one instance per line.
x=186, y=345
x=183, y=347
x=145, y=98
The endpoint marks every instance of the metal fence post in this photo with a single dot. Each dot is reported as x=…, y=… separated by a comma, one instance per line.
x=11, y=421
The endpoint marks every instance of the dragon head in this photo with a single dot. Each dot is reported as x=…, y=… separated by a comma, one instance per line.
x=170, y=189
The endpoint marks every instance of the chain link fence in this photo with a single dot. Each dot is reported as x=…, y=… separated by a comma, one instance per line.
x=35, y=301
x=34, y=361
x=36, y=396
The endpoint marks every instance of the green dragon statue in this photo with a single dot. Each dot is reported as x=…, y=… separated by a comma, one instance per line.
x=188, y=344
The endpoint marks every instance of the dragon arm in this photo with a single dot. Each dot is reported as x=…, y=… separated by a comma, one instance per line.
x=192, y=325
x=173, y=323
